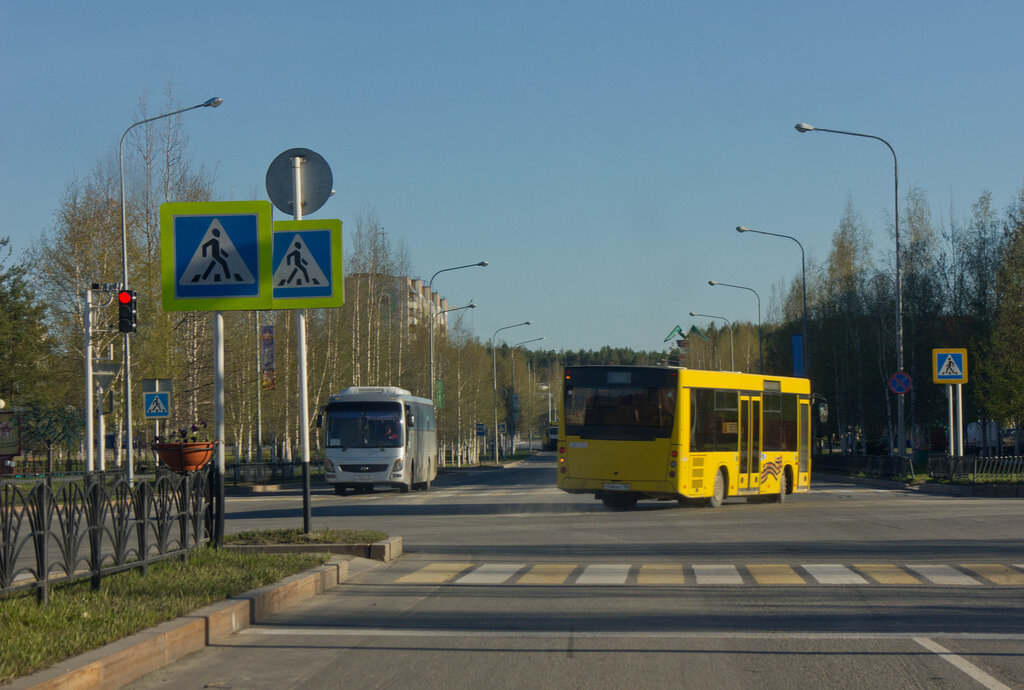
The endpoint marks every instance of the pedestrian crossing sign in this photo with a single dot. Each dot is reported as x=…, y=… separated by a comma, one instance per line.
x=157, y=405
x=307, y=264
x=215, y=256
x=949, y=365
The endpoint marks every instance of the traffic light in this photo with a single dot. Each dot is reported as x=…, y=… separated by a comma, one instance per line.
x=127, y=311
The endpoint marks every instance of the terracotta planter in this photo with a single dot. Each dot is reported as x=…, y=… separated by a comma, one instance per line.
x=185, y=457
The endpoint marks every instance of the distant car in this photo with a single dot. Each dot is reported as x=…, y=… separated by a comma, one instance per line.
x=552, y=443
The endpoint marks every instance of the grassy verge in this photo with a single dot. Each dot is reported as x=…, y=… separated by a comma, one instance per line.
x=77, y=619
x=297, y=536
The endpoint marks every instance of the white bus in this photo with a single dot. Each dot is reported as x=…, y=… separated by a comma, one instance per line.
x=379, y=436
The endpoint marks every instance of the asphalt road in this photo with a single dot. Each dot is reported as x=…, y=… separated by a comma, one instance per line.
x=507, y=582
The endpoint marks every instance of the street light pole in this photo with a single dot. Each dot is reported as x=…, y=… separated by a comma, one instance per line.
x=443, y=311
x=803, y=283
x=210, y=103
x=803, y=127
x=494, y=367
x=512, y=371
x=732, y=361
x=430, y=324
x=760, y=344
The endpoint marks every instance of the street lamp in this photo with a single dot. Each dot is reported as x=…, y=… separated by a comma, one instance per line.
x=803, y=283
x=760, y=345
x=494, y=367
x=430, y=325
x=210, y=103
x=443, y=311
x=512, y=369
x=803, y=127
x=732, y=361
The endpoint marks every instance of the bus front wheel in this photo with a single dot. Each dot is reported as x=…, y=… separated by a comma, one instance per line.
x=340, y=490
x=718, y=494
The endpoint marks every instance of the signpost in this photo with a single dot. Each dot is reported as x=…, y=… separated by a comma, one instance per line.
x=949, y=366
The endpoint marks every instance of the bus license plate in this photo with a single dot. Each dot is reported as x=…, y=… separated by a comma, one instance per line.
x=364, y=477
x=616, y=487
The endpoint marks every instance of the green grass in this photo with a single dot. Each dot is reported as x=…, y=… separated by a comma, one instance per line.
x=77, y=619
x=297, y=536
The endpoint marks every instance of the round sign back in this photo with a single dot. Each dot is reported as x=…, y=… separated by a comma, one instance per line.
x=317, y=181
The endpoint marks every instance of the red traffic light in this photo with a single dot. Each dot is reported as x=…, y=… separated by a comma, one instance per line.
x=124, y=297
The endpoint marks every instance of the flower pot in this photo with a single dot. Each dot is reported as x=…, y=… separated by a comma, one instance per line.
x=185, y=457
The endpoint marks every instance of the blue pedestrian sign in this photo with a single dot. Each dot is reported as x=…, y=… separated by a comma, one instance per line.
x=215, y=256
x=157, y=405
x=481, y=430
x=949, y=365
x=307, y=264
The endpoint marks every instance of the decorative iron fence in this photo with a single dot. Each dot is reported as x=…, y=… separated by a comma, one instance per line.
x=96, y=527
x=270, y=472
x=975, y=469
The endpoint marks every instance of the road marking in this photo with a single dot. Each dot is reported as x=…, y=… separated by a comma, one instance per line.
x=775, y=574
x=999, y=574
x=943, y=575
x=717, y=575
x=604, y=574
x=434, y=573
x=660, y=574
x=491, y=574
x=962, y=664
x=887, y=574
x=834, y=574
x=546, y=574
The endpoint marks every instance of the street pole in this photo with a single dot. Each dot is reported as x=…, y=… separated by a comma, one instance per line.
x=760, y=344
x=803, y=127
x=430, y=322
x=210, y=103
x=307, y=511
x=803, y=282
x=732, y=360
x=494, y=367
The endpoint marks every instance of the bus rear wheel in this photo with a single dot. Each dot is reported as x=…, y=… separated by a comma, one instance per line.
x=718, y=493
x=619, y=502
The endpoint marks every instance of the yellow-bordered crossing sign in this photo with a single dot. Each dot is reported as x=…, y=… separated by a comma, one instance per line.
x=949, y=365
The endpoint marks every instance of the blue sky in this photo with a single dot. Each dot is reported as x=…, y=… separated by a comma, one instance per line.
x=598, y=154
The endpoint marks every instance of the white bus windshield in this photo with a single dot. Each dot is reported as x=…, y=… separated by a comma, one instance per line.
x=364, y=425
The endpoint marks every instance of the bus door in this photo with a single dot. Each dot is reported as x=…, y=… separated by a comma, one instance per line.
x=750, y=443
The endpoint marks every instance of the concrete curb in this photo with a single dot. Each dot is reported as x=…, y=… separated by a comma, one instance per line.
x=123, y=661
x=386, y=550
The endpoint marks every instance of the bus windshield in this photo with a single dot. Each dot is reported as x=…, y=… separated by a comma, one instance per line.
x=619, y=403
x=364, y=425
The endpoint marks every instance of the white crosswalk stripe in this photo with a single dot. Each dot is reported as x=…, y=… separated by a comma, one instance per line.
x=834, y=574
x=943, y=575
x=707, y=574
x=604, y=574
x=491, y=574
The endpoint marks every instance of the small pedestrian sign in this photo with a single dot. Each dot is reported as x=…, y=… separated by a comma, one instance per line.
x=307, y=263
x=481, y=430
x=215, y=256
x=157, y=405
x=949, y=365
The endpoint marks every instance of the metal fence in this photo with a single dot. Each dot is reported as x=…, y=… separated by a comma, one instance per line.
x=270, y=472
x=96, y=527
x=871, y=465
x=977, y=469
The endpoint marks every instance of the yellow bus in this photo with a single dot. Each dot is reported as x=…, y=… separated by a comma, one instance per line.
x=628, y=433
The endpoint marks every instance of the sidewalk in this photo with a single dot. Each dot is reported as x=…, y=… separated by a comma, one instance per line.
x=959, y=490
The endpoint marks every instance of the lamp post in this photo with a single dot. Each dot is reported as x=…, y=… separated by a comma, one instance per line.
x=494, y=367
x=512, y=369
x=430, y=304
x=760, y=345
x=732, y=361
x=803, y=283
x=210, y=103
x=443, y=311
x=803, y=127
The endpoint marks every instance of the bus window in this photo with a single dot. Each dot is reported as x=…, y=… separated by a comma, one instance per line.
x=620, y=404
x=714, y=420
x=364, y=425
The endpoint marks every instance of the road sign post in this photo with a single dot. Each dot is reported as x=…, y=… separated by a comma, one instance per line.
x=949, y=366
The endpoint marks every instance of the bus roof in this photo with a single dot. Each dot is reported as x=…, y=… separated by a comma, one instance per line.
x=375, y=393
x=705, y=378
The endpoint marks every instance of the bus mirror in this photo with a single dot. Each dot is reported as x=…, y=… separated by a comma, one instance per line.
x=410, y=420
x=822, y=412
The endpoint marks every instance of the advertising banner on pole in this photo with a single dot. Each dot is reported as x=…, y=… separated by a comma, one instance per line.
x=267, y=379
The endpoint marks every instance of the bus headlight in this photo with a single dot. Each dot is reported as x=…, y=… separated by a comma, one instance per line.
x=397, y=468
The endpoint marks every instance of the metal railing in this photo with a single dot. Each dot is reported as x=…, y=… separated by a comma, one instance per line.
x=270, y=472
x=972, y=468
x=871, y=465
x=98, y=526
